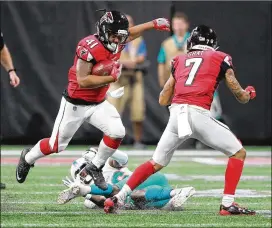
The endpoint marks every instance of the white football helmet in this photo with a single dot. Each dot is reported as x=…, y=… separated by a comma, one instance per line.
x=77, y=169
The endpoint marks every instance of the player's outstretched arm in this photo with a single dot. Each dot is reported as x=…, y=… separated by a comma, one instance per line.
x=243, y=96
x=86, y=80
x=161, y=24
x=167, y=93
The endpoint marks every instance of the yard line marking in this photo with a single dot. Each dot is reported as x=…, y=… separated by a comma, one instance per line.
x=141, y=153
x=172, y=176
x=79, y=203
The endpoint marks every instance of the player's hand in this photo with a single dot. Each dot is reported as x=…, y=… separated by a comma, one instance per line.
x=252, y=92
x=67, y=182
x=14, y=79
x=116, y=71
x=161, y=24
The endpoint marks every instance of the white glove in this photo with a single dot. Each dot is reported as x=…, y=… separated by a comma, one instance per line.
x=68, y=182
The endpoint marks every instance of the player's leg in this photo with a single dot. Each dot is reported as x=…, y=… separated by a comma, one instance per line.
x=69, y=119
x=218, y=136
x=106, y=118
x=168, y=143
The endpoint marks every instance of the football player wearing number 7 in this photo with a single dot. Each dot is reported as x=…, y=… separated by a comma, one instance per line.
x=189, y=90
x=84, y=98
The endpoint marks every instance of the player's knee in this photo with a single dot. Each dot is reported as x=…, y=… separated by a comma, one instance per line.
x=241, y=154
x=157, y=166
x=117, y=131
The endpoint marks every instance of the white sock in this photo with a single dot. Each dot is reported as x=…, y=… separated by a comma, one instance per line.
x=34, y=154
x=104, y=152
x=125, y=191
x=227, y=200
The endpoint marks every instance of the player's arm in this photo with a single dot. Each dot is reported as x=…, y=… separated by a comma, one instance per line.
x=161, y=73
x=161, y=24
x=86, y=80
x=167, y=93
x=243, y=96
x=6, y=62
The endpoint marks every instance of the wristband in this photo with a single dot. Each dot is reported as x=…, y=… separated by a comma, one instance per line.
x=11, y=70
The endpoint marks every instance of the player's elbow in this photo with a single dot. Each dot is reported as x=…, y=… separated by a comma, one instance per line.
x=163, y=101
x=82, y=83
x=243, y=99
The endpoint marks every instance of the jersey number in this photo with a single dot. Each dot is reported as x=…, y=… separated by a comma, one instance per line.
x=91, y=43
x=196, y=64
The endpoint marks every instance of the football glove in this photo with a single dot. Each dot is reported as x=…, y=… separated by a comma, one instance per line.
x=161, y=24
x=116, y=71
x=252, y=92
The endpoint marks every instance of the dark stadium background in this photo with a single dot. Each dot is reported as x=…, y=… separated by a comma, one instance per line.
x=42, y=38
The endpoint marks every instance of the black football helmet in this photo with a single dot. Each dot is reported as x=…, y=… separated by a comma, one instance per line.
x=202, y=35
x=112, y=23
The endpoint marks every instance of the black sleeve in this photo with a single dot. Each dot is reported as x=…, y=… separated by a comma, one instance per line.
x=223, y=69
x=1, y=42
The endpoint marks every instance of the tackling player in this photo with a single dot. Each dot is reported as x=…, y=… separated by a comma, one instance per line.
x=84, y=98
x=155, y=192
x=190, y=89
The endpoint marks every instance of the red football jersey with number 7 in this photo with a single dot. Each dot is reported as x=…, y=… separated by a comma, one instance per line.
x=89, y=49
x=197, y=75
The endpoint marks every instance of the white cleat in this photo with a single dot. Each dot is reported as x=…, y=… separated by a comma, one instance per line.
x=180, y=198
x=69, y=194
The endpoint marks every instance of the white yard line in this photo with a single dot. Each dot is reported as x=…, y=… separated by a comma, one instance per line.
x=81, y=203
x=141, y=153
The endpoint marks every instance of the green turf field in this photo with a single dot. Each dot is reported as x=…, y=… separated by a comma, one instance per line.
x=33, y=204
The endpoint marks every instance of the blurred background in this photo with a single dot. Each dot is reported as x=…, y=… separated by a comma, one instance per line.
x=42, y=37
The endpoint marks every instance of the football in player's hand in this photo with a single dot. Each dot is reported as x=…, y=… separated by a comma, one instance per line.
x=103, y=68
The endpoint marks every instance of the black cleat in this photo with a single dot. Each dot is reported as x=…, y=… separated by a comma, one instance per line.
x=97, y=176
x=235, y=209
x=3, y=186
x=22, y=167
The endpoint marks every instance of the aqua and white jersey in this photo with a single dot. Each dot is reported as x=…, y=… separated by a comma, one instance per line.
x=113, y=175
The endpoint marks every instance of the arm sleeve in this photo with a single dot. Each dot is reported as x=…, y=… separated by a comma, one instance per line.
x=120, y=157
x=161, y=56
x=226, y=63
x=142, y=49
x=1, y=42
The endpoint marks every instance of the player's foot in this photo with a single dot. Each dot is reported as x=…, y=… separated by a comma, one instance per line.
x=235, y=209
x=182, y=195
x=2, y=186
x=69, y=194
x=23, y=167
x=97, y=176
x=111, y=204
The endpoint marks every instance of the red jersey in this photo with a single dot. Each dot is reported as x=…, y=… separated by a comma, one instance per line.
x=197, y=75
x=89, y=49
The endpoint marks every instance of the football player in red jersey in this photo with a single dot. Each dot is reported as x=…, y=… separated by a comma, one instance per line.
x=189, y=90
x=84, y=98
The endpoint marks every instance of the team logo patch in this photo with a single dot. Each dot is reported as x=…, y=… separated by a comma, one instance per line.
x=75, y=108
x=83, y=51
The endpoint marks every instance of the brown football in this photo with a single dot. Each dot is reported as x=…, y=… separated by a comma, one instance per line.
x=103, y=68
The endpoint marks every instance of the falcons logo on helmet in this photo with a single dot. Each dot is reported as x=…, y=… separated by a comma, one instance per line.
x=107, y=17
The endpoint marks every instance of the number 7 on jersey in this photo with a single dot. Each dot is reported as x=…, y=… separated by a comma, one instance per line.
x=196, y=64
